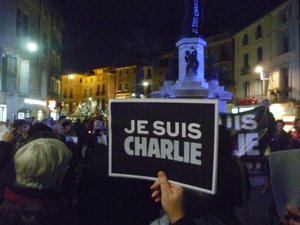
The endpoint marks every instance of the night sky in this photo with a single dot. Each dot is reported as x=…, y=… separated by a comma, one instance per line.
x=95, y=29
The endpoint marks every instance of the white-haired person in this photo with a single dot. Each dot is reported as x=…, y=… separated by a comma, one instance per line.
x=40, y=166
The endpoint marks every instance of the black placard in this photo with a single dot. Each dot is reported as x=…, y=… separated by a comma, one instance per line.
x=178, y=136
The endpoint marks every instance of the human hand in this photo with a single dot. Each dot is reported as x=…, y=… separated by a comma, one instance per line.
x=170, y=195
x=8, y=136
x=294, y=216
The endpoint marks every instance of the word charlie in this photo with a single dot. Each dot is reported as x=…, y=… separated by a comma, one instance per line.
x=164, y=148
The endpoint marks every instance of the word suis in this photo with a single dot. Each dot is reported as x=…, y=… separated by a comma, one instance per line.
x=163, y=143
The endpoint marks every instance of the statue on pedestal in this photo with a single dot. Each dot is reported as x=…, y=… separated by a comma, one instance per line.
x=192, y=62
x=193, y=14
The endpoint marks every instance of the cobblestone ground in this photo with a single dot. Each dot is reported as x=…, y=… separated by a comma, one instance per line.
x=257, y=212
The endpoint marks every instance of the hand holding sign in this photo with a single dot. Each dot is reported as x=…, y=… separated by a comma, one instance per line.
x=170, y=195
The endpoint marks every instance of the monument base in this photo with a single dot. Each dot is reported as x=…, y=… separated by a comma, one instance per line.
x=191, y=82
x=195, y=90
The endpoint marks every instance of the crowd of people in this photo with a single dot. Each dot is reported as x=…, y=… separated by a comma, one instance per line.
x=56, y=172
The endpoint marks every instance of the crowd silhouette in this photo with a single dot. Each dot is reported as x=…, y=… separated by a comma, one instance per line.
x=56, y=172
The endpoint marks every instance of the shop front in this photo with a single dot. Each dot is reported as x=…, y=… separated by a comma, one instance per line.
x=23, y=113
x=244, y=104
x=286, y=111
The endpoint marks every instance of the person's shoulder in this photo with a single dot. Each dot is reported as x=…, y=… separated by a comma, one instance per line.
x=5, y=145
x=184, y=221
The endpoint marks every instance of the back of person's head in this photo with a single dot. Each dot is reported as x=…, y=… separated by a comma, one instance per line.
x=37, y=129
x=19, y=123
x=297, y=121
x=266, y=103
x=66, y=123
x=98, y=125
x=280, y=121
x=61, y=119
x=41, y=163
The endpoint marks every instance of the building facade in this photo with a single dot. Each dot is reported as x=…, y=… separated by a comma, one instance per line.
x=108, y=83
x=220, y=49
x=30, y=58
x=267, y=61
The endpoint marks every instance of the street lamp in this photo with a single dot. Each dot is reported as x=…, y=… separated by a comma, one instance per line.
x=32, y=47
x=145, y=83
x=263, y=77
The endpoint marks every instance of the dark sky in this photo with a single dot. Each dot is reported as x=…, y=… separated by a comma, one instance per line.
x=95, y=28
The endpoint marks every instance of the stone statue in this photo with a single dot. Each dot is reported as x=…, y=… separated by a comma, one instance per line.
x=192, y=62
x=193, y=14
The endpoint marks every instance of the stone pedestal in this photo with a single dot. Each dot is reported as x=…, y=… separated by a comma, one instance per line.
x=190, y=45
x=191, y=82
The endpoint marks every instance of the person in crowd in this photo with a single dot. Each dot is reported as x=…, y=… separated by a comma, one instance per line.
x=295, y=133
x=101, y=199
x=233, y=181
x=69, y=186
x=271, y=127
x=62, y=119
x=21, y=134
x=58, y=125
x=7, y=172
x=230, y=189
x=8, y=124
x=96, y=137
x=79, y=130
x=48, y=121
x=280, y=140
x=171, y=197
x=65, y=133
x=38, y=130
x=69, y=133
x=271, y=123
x=34, y=213
x=40, y=167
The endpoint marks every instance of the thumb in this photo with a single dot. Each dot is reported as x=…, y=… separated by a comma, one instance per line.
x=164, y=183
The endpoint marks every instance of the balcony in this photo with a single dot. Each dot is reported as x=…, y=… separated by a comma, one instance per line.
x=281, y=94
x=245, y=70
